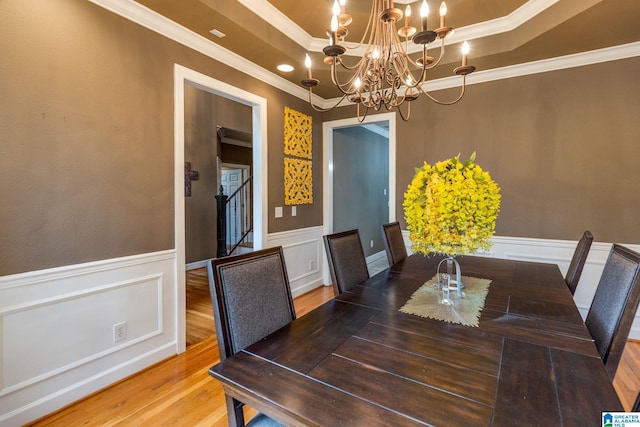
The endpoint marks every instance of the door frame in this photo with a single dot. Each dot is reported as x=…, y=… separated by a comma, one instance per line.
x=182, y=76
x=327, y=170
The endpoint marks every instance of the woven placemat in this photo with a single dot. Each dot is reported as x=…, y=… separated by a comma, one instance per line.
x=464, y=311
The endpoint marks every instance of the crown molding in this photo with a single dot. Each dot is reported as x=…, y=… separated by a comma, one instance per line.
x=150, y=19
x=290, y=29
x=536, y=67
x=279, y=21
x=518, y=17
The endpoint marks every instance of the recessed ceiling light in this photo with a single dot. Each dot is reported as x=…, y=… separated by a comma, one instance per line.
x=285, y=68
x=217, y=33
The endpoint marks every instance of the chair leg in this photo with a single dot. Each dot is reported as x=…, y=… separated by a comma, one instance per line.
x=234, y=412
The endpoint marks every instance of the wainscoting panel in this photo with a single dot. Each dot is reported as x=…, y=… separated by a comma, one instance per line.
x=57, y=341
x=303, y=253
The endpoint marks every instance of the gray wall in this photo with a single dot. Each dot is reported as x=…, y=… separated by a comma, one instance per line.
x=360, y=178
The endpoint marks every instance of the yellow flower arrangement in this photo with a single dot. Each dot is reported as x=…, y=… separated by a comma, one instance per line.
x=451, y=208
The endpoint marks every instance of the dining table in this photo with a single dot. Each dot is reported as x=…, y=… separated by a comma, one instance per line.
x=361, y=359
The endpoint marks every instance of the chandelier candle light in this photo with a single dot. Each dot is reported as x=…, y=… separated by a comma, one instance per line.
x=385, y=75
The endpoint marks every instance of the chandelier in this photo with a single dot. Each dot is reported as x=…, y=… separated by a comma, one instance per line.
x=385, y=76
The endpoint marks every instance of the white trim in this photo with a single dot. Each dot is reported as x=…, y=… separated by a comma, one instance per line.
x=152, y=20
x=66, y=271
x=615, y=53
x=327, y=169
x=290, y=29
x=281, y=22
x=378, y=256
x=195, y=265
x=258, y=105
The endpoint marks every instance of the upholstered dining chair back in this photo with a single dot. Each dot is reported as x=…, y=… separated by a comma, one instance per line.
x=393, y=242
x=614, y=305
x=577, y=262
x=347, y=264
x=251, y=299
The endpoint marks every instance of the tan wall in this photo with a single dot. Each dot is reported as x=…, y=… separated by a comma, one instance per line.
x=563, y=145
x=86, y=121
x=86, y=153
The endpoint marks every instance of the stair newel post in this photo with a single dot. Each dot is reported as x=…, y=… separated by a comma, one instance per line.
x=221, y=226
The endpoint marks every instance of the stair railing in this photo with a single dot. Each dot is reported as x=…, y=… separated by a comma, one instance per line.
x=235, y=218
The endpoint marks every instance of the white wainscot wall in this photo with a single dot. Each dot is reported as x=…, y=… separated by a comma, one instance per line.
x=304, y=256
x=57, y=330
x=56, y=325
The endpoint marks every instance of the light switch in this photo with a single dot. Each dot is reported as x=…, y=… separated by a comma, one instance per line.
x=278, y=211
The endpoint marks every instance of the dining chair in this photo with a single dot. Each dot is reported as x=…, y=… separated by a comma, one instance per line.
x=251, y=299
x=347, y=263
x=614, y=305
x=577, y=262
x=393, y=242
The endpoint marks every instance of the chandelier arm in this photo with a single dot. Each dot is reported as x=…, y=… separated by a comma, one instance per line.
x=366, y=111
x=324, y=110
x=351, y=67
x=437, y=101
x=341, y=86
x=408, y=112
x=401, y=65
x=423, y=70
x=436, y=63
x=372, y=17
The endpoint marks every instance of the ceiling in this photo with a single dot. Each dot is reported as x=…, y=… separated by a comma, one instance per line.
x=501, y=32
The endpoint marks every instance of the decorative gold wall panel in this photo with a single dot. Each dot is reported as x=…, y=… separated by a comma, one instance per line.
x=297, y=133
x=298, y=183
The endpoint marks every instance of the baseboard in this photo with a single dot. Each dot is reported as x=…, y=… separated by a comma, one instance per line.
x=195, y=265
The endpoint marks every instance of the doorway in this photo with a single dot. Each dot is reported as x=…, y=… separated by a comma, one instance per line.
x=183, y=76
x=328, y=169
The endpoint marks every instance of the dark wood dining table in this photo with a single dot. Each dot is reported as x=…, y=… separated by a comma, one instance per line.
x=358, y=361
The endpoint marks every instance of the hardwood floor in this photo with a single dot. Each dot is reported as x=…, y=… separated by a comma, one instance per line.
x=179, y=390
x=199, y=313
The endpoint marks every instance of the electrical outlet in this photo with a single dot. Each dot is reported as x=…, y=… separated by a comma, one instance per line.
x=119, y=331
x=312, y=265
x=372, y=243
